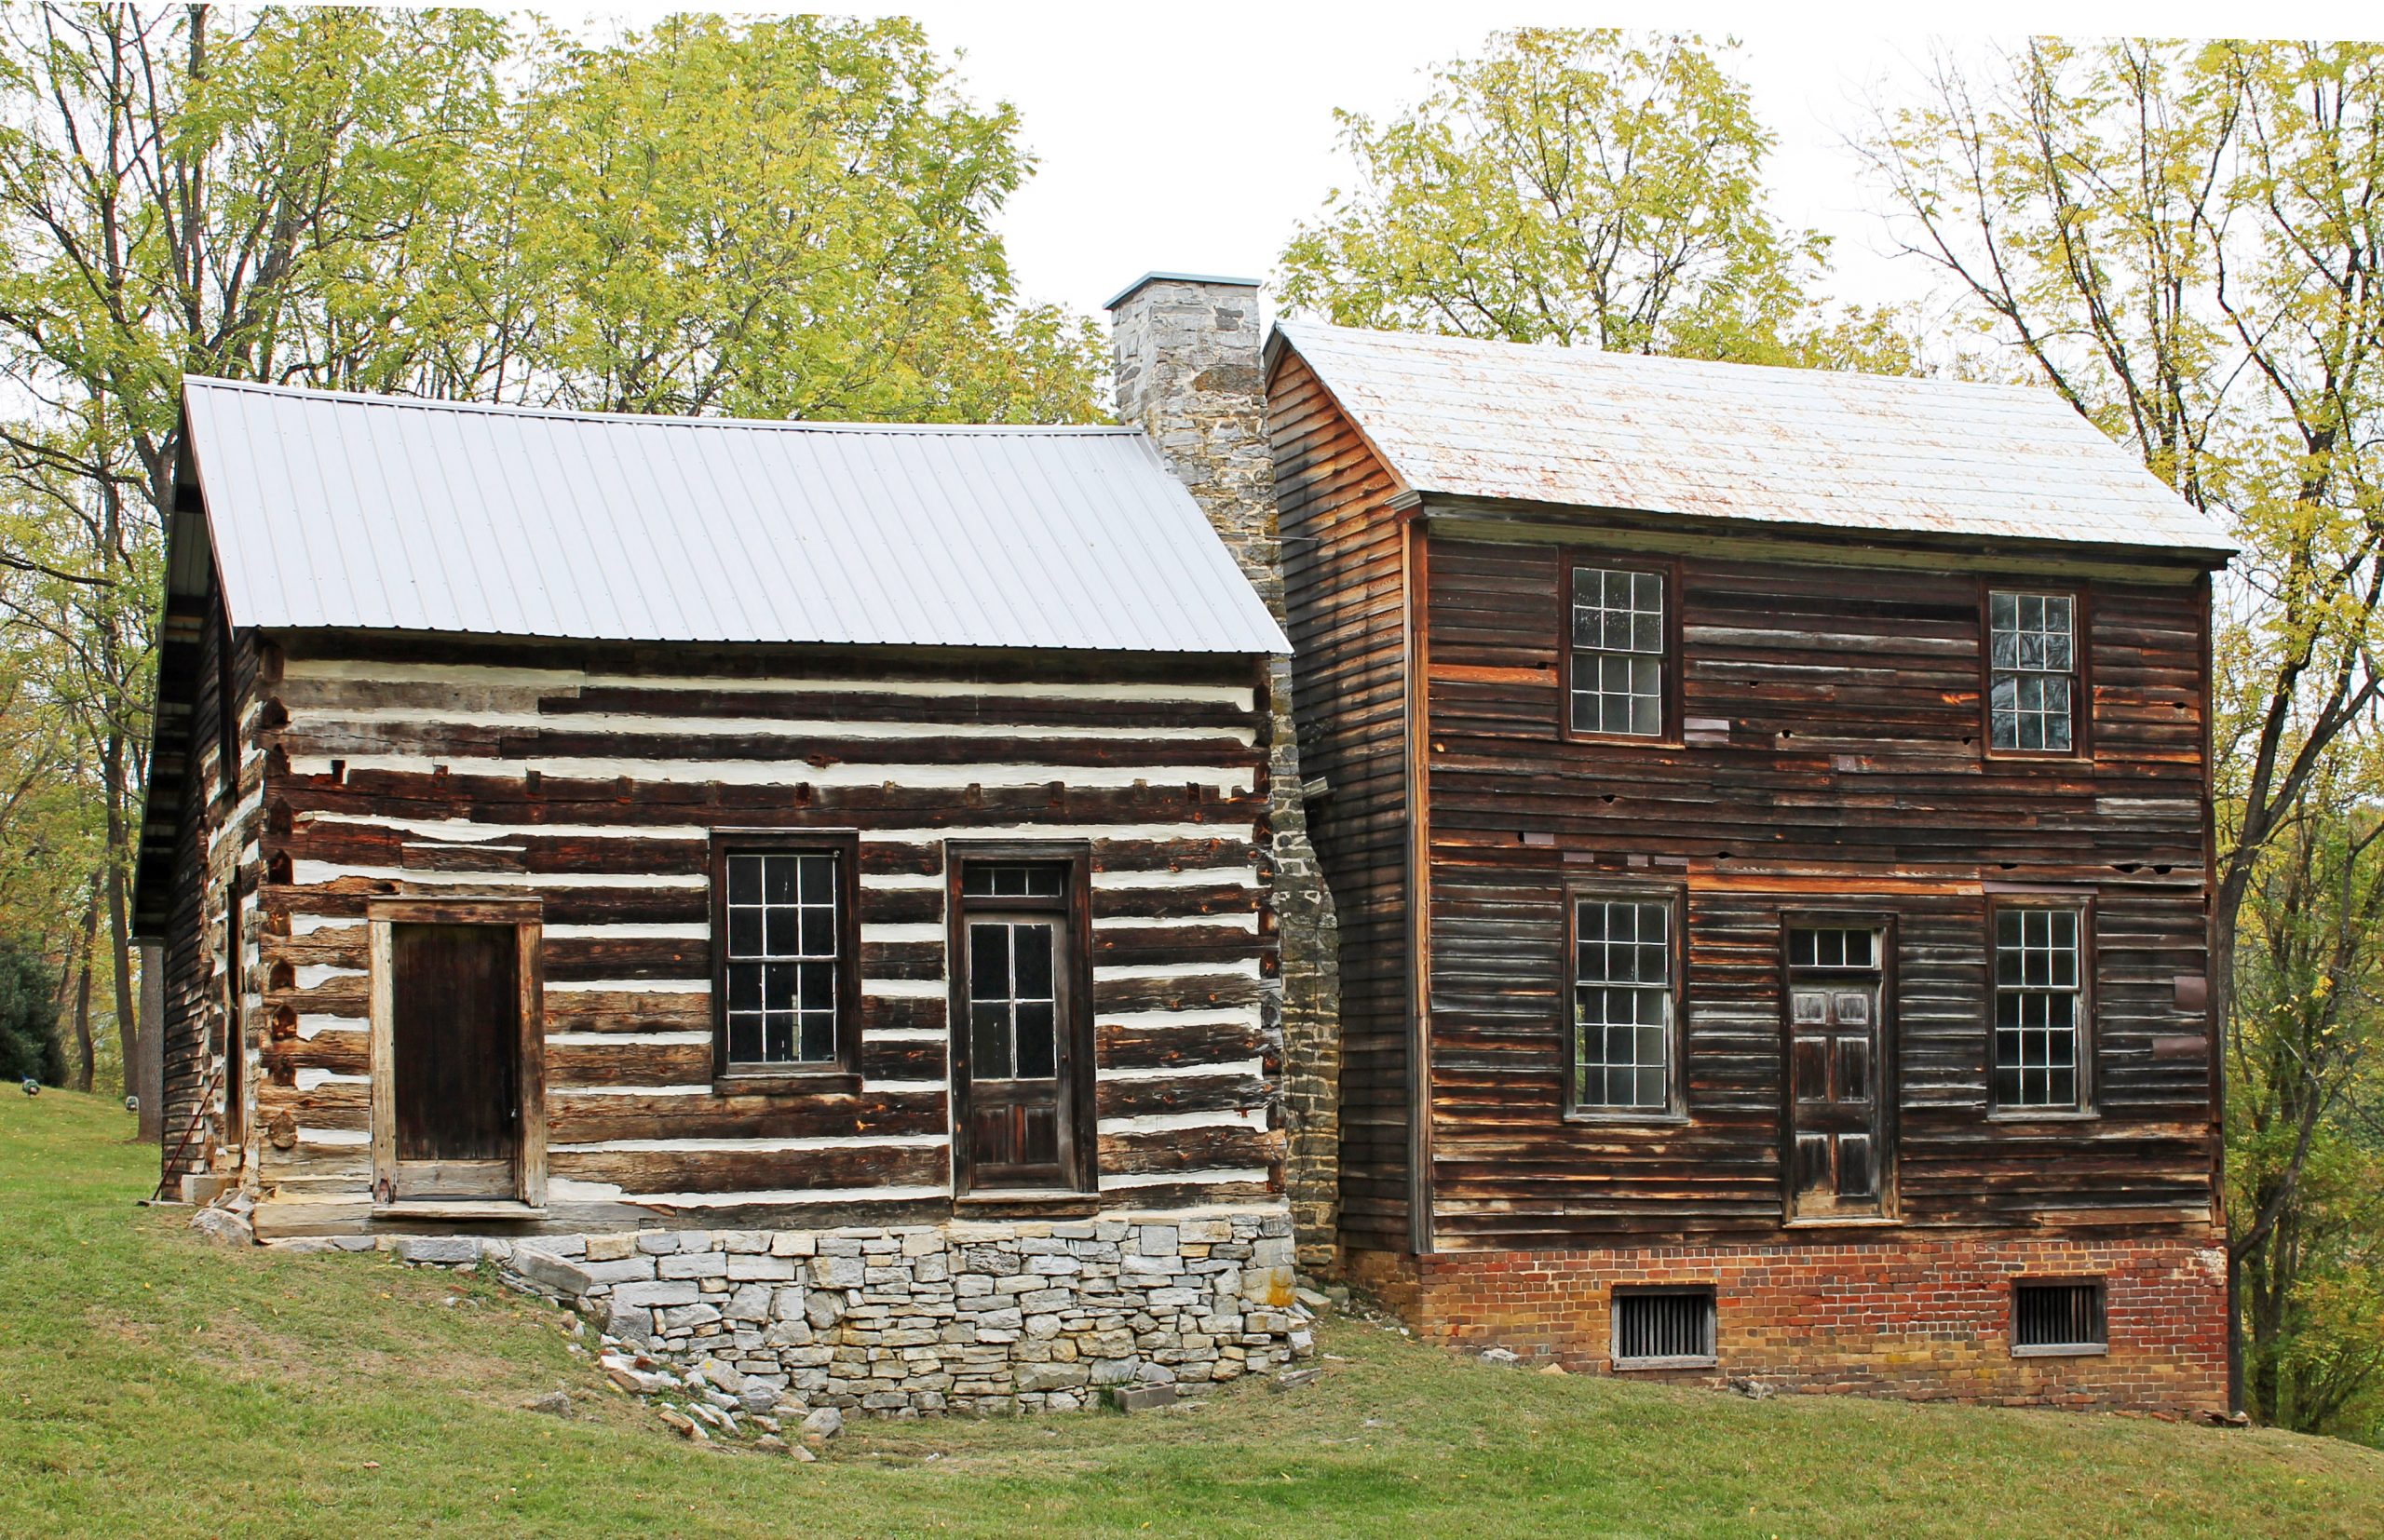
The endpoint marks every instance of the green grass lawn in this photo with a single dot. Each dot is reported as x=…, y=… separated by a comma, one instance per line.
x=153, y=1385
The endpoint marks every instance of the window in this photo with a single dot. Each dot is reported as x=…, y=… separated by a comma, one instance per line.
x=2040, y=1006
x=2059, y=1317
x=1619, y=641
x=2032, y=670
x=783, y=918
x=1663, y=1329
x=1622, y=1005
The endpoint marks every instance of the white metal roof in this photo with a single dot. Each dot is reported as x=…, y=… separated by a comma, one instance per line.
x=377, y=512
x=1468, y=418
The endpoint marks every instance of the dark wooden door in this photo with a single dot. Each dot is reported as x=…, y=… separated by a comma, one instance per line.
x=1838, y=1101
x=454, y=1020
x=1019, y=1052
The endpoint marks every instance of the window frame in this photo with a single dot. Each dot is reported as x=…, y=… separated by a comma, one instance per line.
x=2083, y=905
x=1080, y=1154
x=2082, y=686
x=841, y=1074
x=1675, y=897
x=1709, y=1295
x=1667, y=572
x=2102, y=1288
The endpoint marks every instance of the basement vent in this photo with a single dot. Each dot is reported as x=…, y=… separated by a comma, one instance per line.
x=2059, y=1317
x=1663, y=1329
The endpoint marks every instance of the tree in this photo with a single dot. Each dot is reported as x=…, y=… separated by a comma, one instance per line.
x=29, y=1048
x=783, y=218
x=1592, y=189
x=2184, y=242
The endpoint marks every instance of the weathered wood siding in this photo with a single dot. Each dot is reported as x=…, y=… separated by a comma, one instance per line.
x=1849, y=776
x=592, y=777
x=207, y=672
x=1348, y=599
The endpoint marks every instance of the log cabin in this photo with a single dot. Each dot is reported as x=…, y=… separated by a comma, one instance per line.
x=802, y=890
x=1768, y=817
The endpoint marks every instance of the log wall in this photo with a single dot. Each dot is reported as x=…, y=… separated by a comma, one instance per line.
x=591, y=778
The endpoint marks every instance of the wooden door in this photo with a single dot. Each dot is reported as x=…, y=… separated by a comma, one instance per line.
x=455, y=1031
x=1838, y=1147
x=1016, y=1053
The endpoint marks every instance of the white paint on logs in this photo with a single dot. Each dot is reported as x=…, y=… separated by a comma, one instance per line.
x=1187, y=1071
x=680, y=725
x=1158, y=1021
x=564, y=681
x=313, y=1024
x=759, y=1146
x=309, y=1079
x=567, y=1190
x=631, y=986
x=1152, y=1122
x=629, y=930
x=893, y=1086
x=892, y=935
x=312, y=873
x=1217, y=1177
x=1226, y=780
x=905, y=989
x=1243, y=968
x=1205, y=876
x=310, y=975
x=904, y=1034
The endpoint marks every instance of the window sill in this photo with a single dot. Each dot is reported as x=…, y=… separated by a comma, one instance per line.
x=2044, y=1114
x=834, y=1081
x=1624, y=740
x=1856, y=1222
x=2097, y=1350
x=1631, y=1365
x=1625, y=1117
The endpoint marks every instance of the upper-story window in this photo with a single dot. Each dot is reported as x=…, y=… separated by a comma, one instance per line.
x=2040, y=1006
x=1621, y=636
x=783, y=918
x=2032, y=671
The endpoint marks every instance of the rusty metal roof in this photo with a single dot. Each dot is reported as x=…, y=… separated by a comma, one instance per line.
x=375, y=512
x=1464, y=418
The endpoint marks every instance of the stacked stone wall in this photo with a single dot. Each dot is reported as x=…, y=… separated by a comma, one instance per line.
x=1927, y=1319
x=974, y=1318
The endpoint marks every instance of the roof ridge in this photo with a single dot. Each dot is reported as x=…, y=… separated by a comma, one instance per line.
x=1619, y=360
x=507, y=409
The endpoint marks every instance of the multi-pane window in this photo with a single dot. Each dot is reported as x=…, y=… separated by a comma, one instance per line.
x=2032, y=656
x=2040, y=1006
x=1013, y=999
x=785, y=951
x=1618, y=684
x=1622, y=1005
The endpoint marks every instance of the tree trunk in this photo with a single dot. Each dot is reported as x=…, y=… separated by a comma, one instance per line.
x=83, y=1067
x=129, y=1024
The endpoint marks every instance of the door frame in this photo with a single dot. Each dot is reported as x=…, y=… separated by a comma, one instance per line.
x=527, y=916
x=1886, y=1057
x=1079, y=1148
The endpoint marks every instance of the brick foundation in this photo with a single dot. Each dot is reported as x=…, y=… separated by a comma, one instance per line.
x=1923, y=1319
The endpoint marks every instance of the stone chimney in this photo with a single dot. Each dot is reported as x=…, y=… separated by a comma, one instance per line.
x=1186, y=356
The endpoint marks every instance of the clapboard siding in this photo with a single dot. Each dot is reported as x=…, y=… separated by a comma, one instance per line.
x=1347, y=595
x=593, y=784
x=1834, y=762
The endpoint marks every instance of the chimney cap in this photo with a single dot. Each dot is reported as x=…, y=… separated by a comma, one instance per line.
x=1132, y=289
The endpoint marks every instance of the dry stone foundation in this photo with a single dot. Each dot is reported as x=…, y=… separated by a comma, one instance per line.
x=1011, y=1315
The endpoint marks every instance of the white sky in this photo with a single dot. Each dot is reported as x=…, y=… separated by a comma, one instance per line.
x=1194, y=136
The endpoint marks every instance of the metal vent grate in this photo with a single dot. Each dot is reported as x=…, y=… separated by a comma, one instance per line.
x=1672, y=1326
x=2058, y=1318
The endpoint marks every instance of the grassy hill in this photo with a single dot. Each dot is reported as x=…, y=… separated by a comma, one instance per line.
x=155, y=1385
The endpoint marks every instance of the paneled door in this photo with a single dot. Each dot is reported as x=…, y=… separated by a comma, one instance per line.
x=1017, y=1057
x=1840, y=1147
